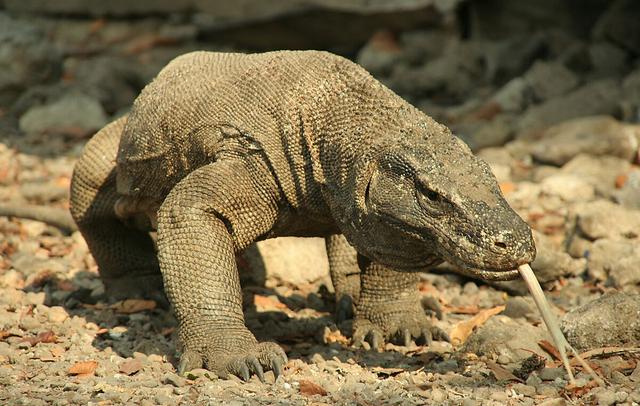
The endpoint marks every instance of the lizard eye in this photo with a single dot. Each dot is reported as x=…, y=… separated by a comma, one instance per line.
x=429, y=199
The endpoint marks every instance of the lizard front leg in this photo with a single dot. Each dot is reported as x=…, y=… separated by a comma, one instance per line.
x=212, y=213
x=345, y=275
x=389, y=308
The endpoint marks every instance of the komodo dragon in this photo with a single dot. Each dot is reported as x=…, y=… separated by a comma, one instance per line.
x=222, y=149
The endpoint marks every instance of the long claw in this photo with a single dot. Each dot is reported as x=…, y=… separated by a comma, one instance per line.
x=427, y=337
x=244, y=372
x=182, y=367
x=283, y=355
x=276, y=366
x=188, y=361
x=376, y=340
x=358, y=339
x=440, y=335
x=256, y=368
x=406, y=337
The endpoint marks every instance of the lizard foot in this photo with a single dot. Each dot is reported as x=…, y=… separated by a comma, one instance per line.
x=401, y=328
x=241, y=361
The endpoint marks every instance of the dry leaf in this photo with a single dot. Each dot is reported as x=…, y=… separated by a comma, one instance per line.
x=334, y=336
x=44, y=337
x=472, y=309
x=83, y=368
x=130, y=366
x=621, y=180
x=57, y=351
x=550, y=348
x=463, y=330
x=268, y=303
x=501, y=373
x=507, y=187
x=102, y=331
x=309, y=388
x=4, y=334
x=133, y=306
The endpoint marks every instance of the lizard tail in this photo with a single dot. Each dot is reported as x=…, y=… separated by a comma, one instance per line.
x=53, y=216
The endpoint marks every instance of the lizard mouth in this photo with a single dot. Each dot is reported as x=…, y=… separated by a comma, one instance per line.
x=489, y=275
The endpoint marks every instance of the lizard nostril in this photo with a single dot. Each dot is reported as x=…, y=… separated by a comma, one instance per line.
x=500, y=245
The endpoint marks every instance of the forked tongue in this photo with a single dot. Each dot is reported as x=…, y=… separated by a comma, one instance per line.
x=552, y=324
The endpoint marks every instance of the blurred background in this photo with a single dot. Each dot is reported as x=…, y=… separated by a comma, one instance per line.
x=494, y=70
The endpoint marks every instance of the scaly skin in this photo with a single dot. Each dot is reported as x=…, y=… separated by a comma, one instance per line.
x=236, y=148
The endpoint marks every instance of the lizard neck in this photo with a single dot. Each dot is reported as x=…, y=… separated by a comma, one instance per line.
x=346, y=128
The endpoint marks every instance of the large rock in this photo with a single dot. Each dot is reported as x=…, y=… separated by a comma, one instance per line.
x=229, y=10
x=550, y=79
x=620, y=24
x=631, y=96
x=615, y=261
x=27, y=58
x=454, y=75
x=595, y=98
x=629, y=193
x=604, y=219
x=612, y=320
x=511, y=338
x=568, y=187
x=599, y=171
x=503, y=18
x=74, y=113
x=598, y=135
x=297, y=261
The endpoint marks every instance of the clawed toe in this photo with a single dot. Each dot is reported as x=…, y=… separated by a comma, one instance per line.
x=255, y=361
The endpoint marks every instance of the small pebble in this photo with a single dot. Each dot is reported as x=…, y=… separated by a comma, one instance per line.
x=524, y=389
x=57, y=314
x=317, y=358
x=173, y=379
x=533, y=380
x=118, y=332
x=550, y=374
x=621, y=396
x=438, y=395
x=606, y=397
x=499, y=396
x=546, y=390
x=553, y=402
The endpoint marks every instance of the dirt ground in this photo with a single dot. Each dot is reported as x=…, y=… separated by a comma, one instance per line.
x=559, y=129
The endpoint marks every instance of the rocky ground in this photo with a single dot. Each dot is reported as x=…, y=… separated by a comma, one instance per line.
x=554, y=113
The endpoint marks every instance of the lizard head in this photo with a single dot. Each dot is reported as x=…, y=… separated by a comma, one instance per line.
x=427, y=198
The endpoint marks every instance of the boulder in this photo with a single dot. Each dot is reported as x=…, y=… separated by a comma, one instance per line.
x=74, y=113
x=297, y=261
x=595, y=98
x=599, y=171
x=27, y=58
x=605, y=219
x=611, y=320
x=620, y=25
x=597, y=135
x=514, y=339
x=615, y=261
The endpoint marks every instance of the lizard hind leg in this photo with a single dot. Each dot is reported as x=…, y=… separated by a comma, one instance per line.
x=125, y=256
